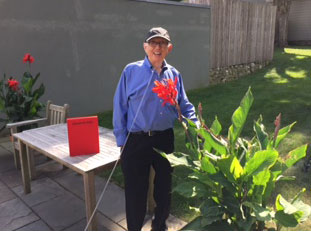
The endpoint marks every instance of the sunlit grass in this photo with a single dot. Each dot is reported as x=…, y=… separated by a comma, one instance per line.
x=298, y=74
x=298, y=51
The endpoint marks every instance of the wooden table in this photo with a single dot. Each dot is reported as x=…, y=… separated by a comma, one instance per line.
x=52, y=141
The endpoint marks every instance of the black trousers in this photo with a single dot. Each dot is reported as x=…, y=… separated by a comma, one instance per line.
x=137, y=158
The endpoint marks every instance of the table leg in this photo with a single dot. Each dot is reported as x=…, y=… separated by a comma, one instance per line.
x=24, y=166
x=90, y=198
x=31, y=163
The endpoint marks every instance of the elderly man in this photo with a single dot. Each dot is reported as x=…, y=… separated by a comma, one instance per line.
x=142, y=123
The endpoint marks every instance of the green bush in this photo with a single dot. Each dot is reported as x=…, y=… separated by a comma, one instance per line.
x=236, y=176
x=19, y=100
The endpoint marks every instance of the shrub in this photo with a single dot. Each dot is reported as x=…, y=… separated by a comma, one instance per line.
x=236, y=176
x=18, y=100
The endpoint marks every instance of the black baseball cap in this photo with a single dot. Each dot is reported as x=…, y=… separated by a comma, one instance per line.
x=158, y=32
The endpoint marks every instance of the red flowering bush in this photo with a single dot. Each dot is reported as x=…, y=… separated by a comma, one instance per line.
x=18, y=99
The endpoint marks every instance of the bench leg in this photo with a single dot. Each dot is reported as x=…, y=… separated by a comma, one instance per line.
x=90, y=198
x=24, y=167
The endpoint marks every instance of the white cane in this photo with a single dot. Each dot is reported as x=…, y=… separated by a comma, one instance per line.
x=115, y=165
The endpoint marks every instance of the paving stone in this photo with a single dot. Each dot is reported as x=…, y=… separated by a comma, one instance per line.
x=6, y=160
x=7, y=145
x=103, y=224
x=42, y=190
x=12, y=178
x=5, y=193
x=113, y=202
x=74, y=182
x=35, y=226
x=4, y=139
x=173, y=223
x=15, y=214
x=61, y=212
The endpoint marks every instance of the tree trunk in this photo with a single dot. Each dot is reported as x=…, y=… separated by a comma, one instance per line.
x=281, y=23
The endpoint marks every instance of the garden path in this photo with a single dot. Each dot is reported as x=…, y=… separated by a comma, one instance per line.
x=57, y=199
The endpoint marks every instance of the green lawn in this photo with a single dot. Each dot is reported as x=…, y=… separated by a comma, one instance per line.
x=282, y=87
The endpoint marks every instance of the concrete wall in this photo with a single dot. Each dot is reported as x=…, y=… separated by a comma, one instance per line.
x=299, y=21
x=81, y=46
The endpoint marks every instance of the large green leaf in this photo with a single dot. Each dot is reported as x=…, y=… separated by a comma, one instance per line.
x=39, y=92
x=295, y=155
x=223, y=181
x=214, y=142
x=27, y=83
x=192, y=141
x=177, y=158
x=211, y=212
x=246, y=224
x=260, y=181
x=216, y=126
x=204, y=179
x=190, y=189
x=239, y=117
x=301, y=206
x=231, y=203
x=261, y=178
x=288, y=220
x=231, y=168
x=262, y=160
x=207, y=166
x=262, y=136
x=261, y=213
x=282, y=134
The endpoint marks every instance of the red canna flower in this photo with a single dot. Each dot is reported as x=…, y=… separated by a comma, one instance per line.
x=13, y=84
x=28, y=58
x=167, y=90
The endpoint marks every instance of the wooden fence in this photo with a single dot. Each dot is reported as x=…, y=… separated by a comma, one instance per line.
x=241, y=32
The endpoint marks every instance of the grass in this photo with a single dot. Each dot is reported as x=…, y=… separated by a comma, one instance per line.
x=282, y=87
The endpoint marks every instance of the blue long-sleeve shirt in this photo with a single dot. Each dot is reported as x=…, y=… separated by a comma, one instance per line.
x=137, y=78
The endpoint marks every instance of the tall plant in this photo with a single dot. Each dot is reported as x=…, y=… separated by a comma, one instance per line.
x=19, y=100
x=236, y=176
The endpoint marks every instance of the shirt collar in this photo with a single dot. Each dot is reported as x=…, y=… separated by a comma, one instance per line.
x=149, y=65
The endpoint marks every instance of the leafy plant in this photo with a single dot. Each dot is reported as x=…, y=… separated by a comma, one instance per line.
x=19, y=100
x=236, y=177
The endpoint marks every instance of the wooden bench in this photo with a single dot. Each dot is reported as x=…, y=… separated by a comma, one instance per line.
x=54, y=115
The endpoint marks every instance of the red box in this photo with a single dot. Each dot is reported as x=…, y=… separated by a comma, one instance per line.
x=83, y=135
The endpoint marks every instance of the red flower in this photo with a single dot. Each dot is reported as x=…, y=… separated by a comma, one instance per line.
x=167, y=90
x=28, y=58
x=13, y=84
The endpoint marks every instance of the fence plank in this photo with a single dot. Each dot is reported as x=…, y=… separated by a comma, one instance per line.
x=241, y=32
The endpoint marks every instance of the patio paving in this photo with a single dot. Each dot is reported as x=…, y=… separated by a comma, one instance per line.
x=56, y=201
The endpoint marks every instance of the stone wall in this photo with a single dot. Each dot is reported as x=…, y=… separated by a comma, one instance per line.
x=226, y=74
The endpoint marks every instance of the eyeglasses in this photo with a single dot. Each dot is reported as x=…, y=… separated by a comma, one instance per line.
x=161, y=44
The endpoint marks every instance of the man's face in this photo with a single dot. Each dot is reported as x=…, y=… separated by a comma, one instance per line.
x=157, y=49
